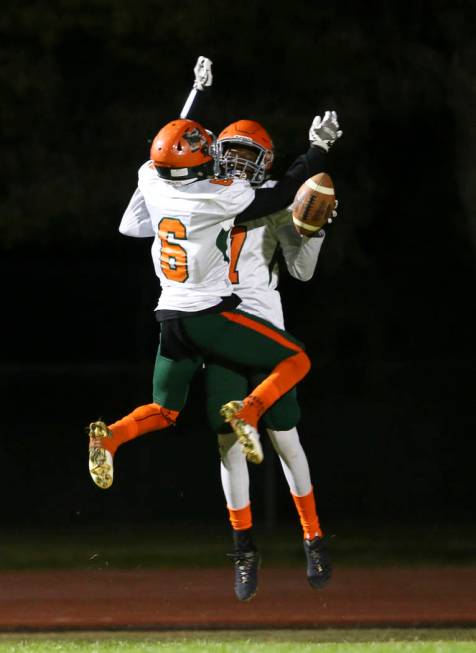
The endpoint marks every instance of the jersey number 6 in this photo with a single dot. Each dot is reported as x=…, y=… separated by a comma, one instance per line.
x=173, y=257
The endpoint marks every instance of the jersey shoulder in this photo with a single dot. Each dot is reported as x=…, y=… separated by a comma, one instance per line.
x=232, y=196
x=229, y=186
x=147, y=169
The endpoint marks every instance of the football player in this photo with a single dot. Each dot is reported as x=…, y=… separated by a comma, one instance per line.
x=188, y=210
x=246, y=151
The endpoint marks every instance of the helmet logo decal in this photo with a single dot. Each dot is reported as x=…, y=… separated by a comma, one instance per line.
x=182, y=150
x=195, y=139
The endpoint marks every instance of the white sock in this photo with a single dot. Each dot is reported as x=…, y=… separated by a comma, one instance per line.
x=235, y=479
x=293, y=460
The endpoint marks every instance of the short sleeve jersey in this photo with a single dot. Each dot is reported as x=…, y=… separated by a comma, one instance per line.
x=189, y=221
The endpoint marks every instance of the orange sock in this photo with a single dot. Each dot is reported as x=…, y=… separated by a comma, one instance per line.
x=306, y=507
x=240, y=519
x=282, y=379
x=144, y=419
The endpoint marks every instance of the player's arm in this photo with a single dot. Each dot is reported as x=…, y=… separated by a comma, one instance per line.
x=136, y=219
x=299, y=252
x=201, y=87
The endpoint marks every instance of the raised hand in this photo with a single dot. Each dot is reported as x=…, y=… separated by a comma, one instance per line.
x=323, y=133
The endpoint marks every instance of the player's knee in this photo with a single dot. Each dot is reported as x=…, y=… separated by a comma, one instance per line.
x=155, y=410
x=170, y=415
x=282, y=418
x=302, y=363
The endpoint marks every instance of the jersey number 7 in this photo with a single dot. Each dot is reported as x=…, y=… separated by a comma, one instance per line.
x=238, y=237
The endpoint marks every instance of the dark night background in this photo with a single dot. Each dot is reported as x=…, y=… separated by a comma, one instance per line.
x=389, y=406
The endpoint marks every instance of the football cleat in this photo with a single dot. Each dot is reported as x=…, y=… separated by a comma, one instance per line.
x=319, y=568
x=246, y=574
x=101, y=465
x=247, y=435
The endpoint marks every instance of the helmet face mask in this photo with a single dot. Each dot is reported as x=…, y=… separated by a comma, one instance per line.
x=244, y=162
x=184, y=150
x=245, y=151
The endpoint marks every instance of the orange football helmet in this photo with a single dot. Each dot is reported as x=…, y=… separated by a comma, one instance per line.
x=183, y=149
x=252, y=137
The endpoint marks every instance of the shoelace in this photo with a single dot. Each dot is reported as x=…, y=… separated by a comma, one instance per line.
x=316, y=561
x=244, y=565
x=317, y=555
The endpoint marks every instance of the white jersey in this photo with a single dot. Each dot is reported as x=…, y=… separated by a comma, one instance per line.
x=254, y=272
x=187, y=222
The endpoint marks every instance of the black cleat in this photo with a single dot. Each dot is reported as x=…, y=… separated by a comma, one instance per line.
x=319, y=568
x=246, y=573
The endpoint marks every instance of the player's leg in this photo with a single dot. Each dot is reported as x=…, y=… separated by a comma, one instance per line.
x=280, y=422
x=246, y=341
x=265, y=344
x=173, y=372
x=221, y=384
x=296, y=470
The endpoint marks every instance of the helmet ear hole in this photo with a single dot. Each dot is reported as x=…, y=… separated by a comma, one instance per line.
x=268, y=159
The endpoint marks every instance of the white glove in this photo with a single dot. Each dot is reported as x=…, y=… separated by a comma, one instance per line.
x=323, y=133
x=203, y=73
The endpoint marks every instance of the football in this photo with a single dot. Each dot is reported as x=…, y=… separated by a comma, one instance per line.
x=313, y=205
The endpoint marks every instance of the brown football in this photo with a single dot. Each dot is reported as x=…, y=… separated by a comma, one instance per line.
x=313, y=205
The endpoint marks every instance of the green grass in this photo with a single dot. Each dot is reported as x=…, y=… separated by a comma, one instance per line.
x=278, y=641
x=170, y=545
x=244, y=646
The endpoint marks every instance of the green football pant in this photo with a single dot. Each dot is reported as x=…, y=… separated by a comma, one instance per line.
x=236, y=339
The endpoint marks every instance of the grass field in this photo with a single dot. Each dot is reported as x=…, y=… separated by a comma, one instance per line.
x=277, y=641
